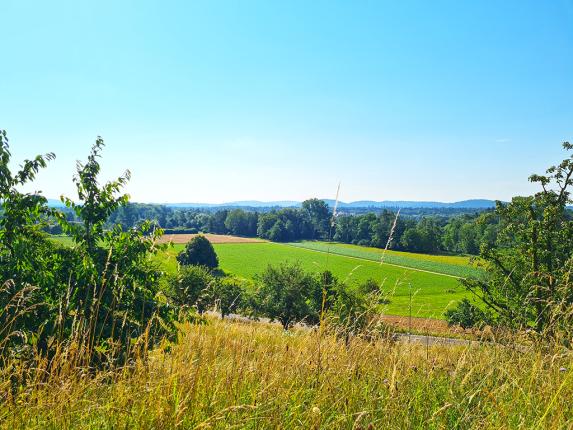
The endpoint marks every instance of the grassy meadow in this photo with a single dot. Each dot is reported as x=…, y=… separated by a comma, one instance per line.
x=431, y=293
x=256, y=376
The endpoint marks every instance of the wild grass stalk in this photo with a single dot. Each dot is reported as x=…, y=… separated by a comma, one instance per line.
x=245, y=375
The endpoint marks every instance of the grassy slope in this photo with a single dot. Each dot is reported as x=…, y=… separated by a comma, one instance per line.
x=432, y=293
x=255, y=376
x=448, y=264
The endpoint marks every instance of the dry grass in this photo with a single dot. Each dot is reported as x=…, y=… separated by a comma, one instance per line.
x=213, y=238
x=246, y=375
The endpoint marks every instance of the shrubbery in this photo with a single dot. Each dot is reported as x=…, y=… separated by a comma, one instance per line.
x=100, y=295
x=467, y=315
x=200, y=252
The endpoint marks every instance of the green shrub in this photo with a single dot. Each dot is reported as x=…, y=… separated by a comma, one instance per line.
x=467, y=315
x=228, y=295
x=101, y=295
x=190, y=287
x=200, y=252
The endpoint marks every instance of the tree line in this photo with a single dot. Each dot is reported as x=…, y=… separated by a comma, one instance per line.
x=459, y=234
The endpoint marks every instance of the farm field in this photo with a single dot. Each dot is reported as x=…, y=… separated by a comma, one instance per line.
x=213, y=238
x=432, y=293
x=64, y=240
x=453, y=265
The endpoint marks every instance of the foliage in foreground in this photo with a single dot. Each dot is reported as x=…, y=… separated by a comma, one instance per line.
x=529, y=267
x=101, y=295
x=223, y=375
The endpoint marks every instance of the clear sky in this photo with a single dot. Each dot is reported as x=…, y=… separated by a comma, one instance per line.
x=217, y=101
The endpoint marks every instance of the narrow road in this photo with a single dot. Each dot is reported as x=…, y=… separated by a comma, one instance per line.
x=400, y=337
x=435, y=340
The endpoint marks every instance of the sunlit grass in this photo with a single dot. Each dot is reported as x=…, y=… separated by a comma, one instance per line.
x=252, y=375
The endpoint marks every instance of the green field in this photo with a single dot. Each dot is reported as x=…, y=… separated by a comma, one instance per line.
x=432, y=293
x=64, y=240
x=447, y=264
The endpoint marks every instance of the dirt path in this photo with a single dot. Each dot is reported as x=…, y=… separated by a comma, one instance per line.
x=422, y=325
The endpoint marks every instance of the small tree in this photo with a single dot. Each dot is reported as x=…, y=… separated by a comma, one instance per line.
x=285, y=294
x=350, y=312
x=191, y=287
x=467, y=315
x=199, y=252
x=113, y=283
x=25, y=253
x=325, y=292
x=227, y=295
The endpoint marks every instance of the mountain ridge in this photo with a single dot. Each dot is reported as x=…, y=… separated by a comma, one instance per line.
x=465, y=204
x=395, y=204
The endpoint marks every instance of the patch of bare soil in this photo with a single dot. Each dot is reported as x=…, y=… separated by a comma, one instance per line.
x=423, y=325
x=213, y=238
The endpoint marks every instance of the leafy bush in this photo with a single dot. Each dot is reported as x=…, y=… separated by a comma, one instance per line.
x=371, y=288
x=228, y=295
x=190, y=287
x=101, y=295
x=467, y=315
x=200, y=252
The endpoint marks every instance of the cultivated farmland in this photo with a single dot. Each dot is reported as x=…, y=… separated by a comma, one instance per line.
x=454, y=265
x=431, y=293
x=213, y=238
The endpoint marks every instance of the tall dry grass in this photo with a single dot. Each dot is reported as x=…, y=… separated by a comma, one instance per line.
x=253, y=375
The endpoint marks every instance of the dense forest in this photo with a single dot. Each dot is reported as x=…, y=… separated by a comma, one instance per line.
x=460, y=233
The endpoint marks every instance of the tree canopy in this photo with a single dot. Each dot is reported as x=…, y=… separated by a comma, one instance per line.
x=199, y=252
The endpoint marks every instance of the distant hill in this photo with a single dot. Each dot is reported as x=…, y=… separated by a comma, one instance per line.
x=244, y=203
x=55, y=203
x=465, y=204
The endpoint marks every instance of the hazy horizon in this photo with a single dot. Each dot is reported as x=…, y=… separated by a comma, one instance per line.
x=219, y=101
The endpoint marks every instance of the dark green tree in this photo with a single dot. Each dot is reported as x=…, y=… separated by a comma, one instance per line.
x=278, y=232
x=345, y=229
x=217, y=222
x=191, y=287
x=199, y=252
x=228, y=295
x=238, y=222
x=319, y=215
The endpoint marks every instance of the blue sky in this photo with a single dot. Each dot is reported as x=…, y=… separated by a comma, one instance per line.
x=230, y=100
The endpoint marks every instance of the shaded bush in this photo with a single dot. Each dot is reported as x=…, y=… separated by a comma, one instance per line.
x=228, y=295
x=191, y=287
x=467, y=315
